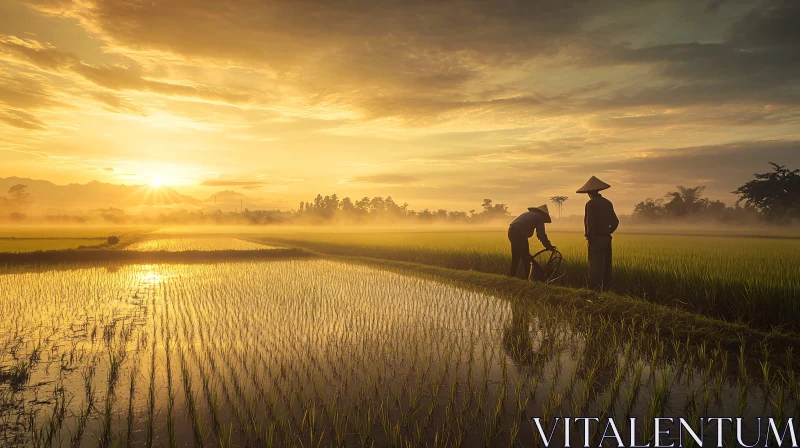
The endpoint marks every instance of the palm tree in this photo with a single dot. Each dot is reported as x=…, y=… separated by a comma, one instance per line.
x=685, y=200
x=559, y=203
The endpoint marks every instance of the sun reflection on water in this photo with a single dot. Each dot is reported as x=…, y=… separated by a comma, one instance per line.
x=152, y=275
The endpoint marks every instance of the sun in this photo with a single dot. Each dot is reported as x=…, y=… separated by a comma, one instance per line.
x=156, y=181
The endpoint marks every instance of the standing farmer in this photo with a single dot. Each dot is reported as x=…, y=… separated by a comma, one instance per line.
x=599, y=223
x=518, y=233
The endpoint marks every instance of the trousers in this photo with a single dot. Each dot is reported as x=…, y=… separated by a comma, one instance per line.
x=600, y=262
x=520, y=253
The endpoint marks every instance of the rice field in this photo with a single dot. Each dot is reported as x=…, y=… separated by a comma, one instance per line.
x=734, y=278
x=326, y=353
x=91, y=232
x=34, y=238
x=199, y=244
x=16, y=245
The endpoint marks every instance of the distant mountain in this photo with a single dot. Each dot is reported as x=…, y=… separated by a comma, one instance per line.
x=48, y=197
x=226, y=195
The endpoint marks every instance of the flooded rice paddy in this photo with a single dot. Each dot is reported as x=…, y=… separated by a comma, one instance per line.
x=318, y=352
x=201, y=244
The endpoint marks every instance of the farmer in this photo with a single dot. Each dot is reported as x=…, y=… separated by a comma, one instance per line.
x=599, y=223
x=518, y=233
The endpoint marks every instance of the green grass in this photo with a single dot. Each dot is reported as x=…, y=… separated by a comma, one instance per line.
x=59, y=232
x=33, y=245
x=33, y=239
x=752, y=280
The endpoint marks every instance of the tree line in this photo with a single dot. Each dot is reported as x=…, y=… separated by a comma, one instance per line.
x=772, y=197
x=323, y=209
x=331, y=208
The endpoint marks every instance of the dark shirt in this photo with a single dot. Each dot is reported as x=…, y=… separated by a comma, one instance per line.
x=600, y=219
x=529, y=221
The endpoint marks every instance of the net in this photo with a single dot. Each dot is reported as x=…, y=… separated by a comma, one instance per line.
x=547, y=266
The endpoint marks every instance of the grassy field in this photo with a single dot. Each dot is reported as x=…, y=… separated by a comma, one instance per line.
x=327, y=353
x=16, y=245
x=34, y=238
x=43, y=232
x=748, y=279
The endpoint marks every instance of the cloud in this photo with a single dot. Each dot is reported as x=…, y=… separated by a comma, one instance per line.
x=513, y=97
x=419, y=61
x=20, y=119
x=47, y=57
x=121, y=78
x=250, y=30
x=754, y=63
x=421, y=64
x=699, y=117
x=387, y=179
x=116, y=103
x=41, y=55
x=698, y=160
x=720, y=167
x=233, y=183
x=23, y=92
x=714, y=5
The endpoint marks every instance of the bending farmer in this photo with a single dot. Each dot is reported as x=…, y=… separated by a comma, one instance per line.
x=519, y=231
x=599, y=223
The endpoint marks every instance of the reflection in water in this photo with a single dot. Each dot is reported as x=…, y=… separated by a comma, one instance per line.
x=523, y=342
x=150, y=275
x=318, y=352
x=194, y=243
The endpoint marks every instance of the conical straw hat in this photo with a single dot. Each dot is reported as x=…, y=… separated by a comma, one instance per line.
x=542, y=209
x=593, y=184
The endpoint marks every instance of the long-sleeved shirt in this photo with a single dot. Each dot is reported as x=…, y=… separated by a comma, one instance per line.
x=600, y=219
x=529, y=221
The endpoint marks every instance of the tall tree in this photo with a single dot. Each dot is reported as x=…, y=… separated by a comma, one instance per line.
x=776, y=195
x=559, y=202
x=18, y=197
x=685, y=200
x=362, y=205
x=347, y=206
x=648, y=209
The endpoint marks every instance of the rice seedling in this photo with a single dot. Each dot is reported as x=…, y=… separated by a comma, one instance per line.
x=319, y=352
x=633, y=389
x=131, y=412
x=151, y=395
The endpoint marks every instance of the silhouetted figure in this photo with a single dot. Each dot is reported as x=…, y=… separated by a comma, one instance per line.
x=599, y=223
x=519, y=231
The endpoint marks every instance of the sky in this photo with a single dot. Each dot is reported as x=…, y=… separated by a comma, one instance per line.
x=438, y=104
